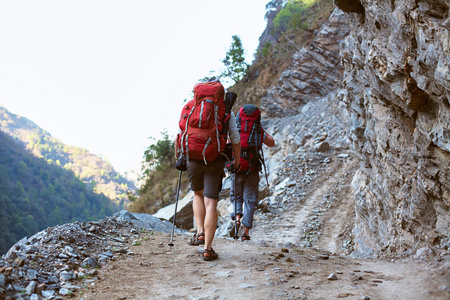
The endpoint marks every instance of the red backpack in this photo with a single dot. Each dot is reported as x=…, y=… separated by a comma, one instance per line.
x=252, y=135
x=201, y=123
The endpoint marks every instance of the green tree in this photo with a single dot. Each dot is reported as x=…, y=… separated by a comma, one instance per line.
x=290, y=15
x=22, y=168
x=208, y=78
x=273, y=5
x=56, y=216
x=94, y=186
x=267, y=49
x=160, y=178
x=19, y=190
x=234, y=61
x=158, y=153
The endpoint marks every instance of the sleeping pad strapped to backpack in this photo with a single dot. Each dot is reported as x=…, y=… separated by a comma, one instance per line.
x=202, y=121
x=252, y=136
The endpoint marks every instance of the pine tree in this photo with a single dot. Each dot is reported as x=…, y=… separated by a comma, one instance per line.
x=234, y=61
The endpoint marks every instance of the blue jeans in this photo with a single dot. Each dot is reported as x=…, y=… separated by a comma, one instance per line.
x=246, y=196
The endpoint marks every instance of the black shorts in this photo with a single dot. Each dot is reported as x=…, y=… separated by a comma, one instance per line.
x=206, y=177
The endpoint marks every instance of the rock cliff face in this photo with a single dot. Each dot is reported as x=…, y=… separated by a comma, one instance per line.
x=315, y=71
x=393, y=75
x=396, y=87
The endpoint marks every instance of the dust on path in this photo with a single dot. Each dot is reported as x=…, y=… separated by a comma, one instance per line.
x=258, y=269
x=324, y=217
x=250, y=271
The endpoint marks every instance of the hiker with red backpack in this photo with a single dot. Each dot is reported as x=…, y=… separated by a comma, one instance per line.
x=202, y=138
x=244, y=192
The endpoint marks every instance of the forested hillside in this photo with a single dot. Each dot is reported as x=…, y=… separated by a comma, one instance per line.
x=91, y=169
x=35, y=195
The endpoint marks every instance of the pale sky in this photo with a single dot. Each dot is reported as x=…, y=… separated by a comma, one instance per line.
x=106, y=75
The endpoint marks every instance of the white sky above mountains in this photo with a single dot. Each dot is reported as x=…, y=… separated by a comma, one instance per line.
x=106, y=75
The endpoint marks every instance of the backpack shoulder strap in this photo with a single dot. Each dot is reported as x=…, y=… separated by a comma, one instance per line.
x=230, y=99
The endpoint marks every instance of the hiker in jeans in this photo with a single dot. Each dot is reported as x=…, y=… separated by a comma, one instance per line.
x=205, y=180
x=244, y=191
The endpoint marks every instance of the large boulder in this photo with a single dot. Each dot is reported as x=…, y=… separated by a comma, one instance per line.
x=145, y=221
x=184, y=217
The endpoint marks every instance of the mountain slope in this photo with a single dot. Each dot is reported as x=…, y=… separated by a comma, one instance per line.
x=35, y=195
x=261, y=75
x=311, y=208
x=91, y=169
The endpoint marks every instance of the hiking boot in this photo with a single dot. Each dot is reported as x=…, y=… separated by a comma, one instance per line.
x=197, y=239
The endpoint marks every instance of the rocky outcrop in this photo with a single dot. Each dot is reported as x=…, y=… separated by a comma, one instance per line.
x=397, y=87
x=314, y=72
x=50, y=263
x=185, y=215
x=269, y=35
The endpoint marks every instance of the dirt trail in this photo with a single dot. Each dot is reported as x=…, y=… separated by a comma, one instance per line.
x=298, y=243
x=323, y=218
x=250, y=271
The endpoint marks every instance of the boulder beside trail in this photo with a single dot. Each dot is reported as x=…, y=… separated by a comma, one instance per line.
x=184, y=218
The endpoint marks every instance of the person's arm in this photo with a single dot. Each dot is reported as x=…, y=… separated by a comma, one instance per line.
x=237, y=155
x=235, y=140
x=268, y=140
x=177, y=144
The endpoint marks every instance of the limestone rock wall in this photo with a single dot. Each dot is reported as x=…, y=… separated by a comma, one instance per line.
x=397, y=88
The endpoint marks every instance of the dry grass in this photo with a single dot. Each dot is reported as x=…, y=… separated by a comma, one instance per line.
x=160, y=190
x=266, y=70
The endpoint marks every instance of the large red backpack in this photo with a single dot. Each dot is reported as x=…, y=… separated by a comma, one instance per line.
x=252, y=135
x=201, y=123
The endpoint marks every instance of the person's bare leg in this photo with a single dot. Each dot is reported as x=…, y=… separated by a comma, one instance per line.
x=237, y=223
x=199, y=211
x=246, y=233
x=210, y=221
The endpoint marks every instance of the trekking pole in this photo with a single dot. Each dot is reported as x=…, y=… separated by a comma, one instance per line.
x=175, y=214
x=265, y=170
x=236, y=236
x=232, y=170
